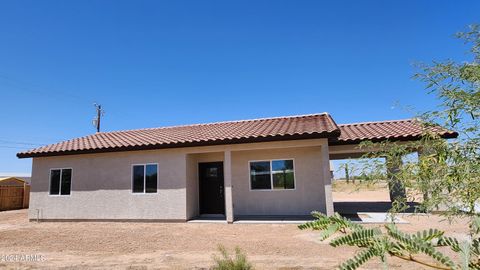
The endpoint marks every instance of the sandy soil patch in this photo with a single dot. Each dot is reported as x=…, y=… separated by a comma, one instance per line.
x=101, y=245
x=365, y=192
x=343, y=191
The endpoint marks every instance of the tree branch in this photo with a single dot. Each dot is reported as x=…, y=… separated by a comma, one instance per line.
x=413, y=259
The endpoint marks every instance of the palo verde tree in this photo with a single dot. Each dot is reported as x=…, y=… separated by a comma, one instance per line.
x=447, y=174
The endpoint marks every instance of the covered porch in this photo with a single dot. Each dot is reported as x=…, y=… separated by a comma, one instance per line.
x=347, y=146
x=220, y=188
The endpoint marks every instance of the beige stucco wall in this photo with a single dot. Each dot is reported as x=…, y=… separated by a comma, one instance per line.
x=309, y=192
x=101, y=187
x=101, y=183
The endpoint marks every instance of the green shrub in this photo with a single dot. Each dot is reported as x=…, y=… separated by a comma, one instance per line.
x=375, y=243
x=227, y=262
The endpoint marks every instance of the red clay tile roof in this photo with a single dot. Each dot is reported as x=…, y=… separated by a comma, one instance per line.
x=395, y=130
x=257, y=130
x=245, y=131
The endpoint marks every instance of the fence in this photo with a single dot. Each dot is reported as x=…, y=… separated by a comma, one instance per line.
x=14, y=197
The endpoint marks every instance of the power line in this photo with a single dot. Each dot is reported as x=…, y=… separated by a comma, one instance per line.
x=14, y=147
x=53, y=94
x=24, y=143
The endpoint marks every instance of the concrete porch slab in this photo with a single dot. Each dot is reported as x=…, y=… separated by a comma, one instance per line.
x=207, y=221
x=373, y=218
x=207, y=218
x=272, y=219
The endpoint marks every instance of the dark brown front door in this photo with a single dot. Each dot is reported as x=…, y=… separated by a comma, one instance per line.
x=212, y=199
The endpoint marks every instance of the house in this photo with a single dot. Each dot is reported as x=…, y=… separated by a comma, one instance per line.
x=261, y=167
x=12, y=182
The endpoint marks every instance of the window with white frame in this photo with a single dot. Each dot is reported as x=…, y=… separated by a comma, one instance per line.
x=60, y=181
x=144, y=178
x=272, y=174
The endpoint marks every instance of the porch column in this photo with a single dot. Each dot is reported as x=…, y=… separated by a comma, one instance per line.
x=327, y=179
x=427, y=154
x=420, y=154
x=395, y=186
x=227, y=174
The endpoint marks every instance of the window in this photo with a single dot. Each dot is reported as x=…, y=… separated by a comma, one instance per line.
x=145, y=177
x=60, y=181
x=282, y=174
x=272, y=174
x=260, y=175
x=212, y=172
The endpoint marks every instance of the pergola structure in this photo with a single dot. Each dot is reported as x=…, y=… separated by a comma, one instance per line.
x=346, y=146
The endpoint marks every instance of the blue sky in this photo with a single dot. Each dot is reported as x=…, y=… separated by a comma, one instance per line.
x=159, y=63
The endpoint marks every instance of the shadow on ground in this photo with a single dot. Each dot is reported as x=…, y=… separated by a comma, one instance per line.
x=352, y=208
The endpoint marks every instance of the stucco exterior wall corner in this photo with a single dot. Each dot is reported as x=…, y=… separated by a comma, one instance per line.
x=327, y=180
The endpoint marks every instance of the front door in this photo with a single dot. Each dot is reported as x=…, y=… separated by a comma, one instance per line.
x=212, y=198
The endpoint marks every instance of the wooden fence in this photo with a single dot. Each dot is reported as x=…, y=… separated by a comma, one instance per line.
x=14, y=197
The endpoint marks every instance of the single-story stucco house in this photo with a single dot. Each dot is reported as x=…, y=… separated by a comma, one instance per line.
x=261, y=167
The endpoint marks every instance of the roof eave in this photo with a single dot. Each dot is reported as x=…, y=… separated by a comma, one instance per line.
x=316, y=135
x=336, y=141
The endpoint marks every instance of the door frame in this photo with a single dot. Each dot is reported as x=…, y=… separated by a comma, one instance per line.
x=200, y=189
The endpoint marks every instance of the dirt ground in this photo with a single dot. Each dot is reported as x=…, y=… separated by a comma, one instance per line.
x=124, y=245
x=345, y=192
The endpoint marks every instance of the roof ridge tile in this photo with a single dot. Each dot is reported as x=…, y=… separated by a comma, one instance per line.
x=222, y=122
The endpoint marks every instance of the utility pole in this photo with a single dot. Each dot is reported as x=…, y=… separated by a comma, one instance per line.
x=100, y=113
